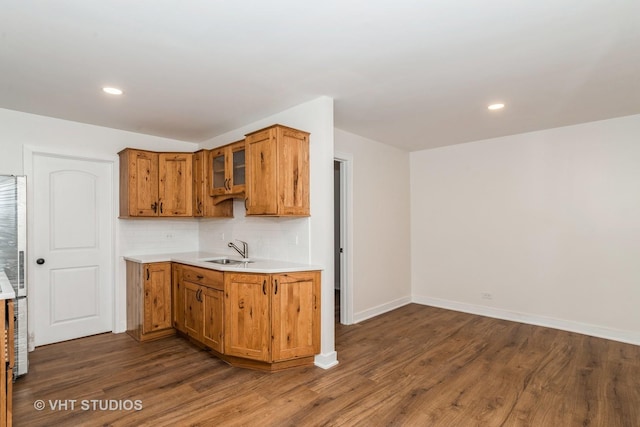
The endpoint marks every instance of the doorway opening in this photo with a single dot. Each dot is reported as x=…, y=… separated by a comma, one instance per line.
x=343, y=258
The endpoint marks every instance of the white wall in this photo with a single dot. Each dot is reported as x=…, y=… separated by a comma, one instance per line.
x=547, y=222
x=45, y=134
x=294, y=239
x=381, y=225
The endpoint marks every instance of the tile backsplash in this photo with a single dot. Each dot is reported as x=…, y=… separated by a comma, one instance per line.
x=268, y=237
x=273, y=238
x=148, y=236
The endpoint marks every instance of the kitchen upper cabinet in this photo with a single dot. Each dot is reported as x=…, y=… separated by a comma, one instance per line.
x=203, y=204
x=149, y=300
x=175, y=186
x=269, y=169
x=155, y=184
x=272, y=318
x=138, y=183
x=227, y=165
x=277, y=160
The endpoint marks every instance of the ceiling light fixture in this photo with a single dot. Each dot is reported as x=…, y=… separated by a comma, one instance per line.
x=496, y=106
x=112, y=90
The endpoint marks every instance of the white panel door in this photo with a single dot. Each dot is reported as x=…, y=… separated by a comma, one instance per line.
x=73, y=245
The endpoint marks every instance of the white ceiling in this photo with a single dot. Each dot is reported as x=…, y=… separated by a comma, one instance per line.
x=414, y=74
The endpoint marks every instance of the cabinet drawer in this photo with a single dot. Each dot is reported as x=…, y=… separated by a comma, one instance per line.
x=211, y=278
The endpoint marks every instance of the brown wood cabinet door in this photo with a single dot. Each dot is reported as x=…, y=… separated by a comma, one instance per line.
x=142, y=183
x=227, y=169
x=246, y=314
x=5, y=382
x=295, y=315
x=204, y=205
x=175, y=184
x=219, y=163
x=178, y=295
x=293, y=172
x=198, y=182
x=237, y=167
x=157, y=297
x=192, y=310
x=212, y=332
x=262, y=163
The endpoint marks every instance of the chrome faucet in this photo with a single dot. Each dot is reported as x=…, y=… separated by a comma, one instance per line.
x=244, y=252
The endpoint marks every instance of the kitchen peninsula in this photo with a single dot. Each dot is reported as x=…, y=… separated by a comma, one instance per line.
x=253, y=313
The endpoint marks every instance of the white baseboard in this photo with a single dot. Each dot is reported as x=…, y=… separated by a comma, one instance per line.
x=376, y=311
x=326, y=360
x=629, y=337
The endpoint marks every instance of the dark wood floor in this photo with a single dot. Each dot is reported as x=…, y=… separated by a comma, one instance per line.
x=415, y=366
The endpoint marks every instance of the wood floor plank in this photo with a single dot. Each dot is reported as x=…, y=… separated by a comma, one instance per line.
x=414, y=366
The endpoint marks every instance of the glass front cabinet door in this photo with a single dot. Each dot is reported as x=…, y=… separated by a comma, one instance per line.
x=228, y=170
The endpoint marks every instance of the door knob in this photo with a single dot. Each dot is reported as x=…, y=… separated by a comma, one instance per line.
x=40, y=261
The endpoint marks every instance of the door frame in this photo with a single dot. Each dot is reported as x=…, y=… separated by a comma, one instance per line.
x=346, y=236
x=28, y=154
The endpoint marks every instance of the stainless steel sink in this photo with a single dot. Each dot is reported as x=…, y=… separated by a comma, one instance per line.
x=226, y=261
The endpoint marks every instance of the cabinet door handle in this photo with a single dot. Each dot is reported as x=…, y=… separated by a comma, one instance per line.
x=199, y=295
x=246, y=202
x=154, y=206
x=161, y=207
x=227, y=184
x=276, y=291
x=147, y=273
x=200, y=276
x=264, y=287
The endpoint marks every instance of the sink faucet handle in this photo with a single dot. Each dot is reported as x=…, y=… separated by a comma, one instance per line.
x=245, y=248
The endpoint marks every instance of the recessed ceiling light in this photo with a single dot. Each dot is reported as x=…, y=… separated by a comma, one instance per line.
x=496, y=106
x=112, y=90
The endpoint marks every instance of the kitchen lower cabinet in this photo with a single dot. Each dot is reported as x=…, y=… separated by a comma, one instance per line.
x=259, y=321
x=149, y=300
x=247, y=299
x=7, y=360
x=202, y=302
x=193, y=312
x=212, y=318
x=177, y=297
x=272, y=318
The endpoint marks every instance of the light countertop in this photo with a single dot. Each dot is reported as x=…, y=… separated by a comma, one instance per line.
x=198, y=259
x=6, y=290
